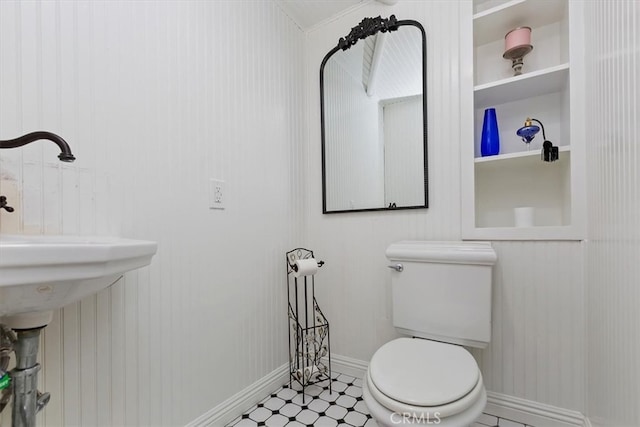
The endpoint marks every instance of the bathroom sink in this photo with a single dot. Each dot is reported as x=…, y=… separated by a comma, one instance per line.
x=39, y=274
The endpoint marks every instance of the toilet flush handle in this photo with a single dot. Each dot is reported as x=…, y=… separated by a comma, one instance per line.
x=397, y=267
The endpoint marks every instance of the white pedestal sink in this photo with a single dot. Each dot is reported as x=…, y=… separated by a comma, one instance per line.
x=39, y=274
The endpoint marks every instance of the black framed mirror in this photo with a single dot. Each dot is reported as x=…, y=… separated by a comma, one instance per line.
x=373, y=103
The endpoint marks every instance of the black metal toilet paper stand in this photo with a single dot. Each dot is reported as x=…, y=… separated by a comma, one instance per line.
x=309, y=341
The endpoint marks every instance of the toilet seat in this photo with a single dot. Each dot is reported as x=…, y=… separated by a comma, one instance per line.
x=417, y=375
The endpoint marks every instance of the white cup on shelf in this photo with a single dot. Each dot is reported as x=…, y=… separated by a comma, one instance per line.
x=524, y=216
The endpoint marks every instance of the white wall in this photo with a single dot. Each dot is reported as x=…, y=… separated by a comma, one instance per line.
x=538, y=348
x=537, y=344
x=155, y=98
x=613, y=288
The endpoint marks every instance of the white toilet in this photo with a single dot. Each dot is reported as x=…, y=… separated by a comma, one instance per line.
x=441, y=295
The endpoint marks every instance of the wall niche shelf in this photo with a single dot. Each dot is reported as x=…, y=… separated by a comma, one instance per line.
x=531, y=155
x=488, y=24
x=541, y=82
x=549, y=89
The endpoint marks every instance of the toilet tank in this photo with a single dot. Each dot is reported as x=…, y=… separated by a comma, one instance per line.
x=443, y=291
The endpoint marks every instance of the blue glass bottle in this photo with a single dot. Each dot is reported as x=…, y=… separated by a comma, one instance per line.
x=490, y=142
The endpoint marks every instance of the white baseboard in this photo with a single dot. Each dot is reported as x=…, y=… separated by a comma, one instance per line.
x=243, y=400
x=246, y=398
x=532, y=413
x=348, y=366
x=501, y=405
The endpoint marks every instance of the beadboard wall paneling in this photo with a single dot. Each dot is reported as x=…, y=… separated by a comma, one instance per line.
x=613, y=292
x=538, y=303
x=537, y=340
x=156, y=98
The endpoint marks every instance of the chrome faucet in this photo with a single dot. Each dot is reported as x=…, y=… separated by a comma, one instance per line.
x=65, y=154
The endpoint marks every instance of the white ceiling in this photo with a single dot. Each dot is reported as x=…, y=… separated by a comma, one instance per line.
x=307, y=13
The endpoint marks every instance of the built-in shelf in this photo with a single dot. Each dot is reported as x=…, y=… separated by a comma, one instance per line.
x=535, y=83
x=489, y=25
x=517, y=180
x=521, y=155
x=497, y=185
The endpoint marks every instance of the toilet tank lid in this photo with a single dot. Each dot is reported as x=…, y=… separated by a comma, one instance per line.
x=455, y=252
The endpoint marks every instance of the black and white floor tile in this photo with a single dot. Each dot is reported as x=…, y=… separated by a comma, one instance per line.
x=487, y=420
x=344, y=406
x=286, y=407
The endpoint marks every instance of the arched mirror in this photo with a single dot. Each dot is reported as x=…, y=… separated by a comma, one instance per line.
x=373, y=110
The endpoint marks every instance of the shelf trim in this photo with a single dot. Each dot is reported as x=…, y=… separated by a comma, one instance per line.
x=496, y=9
x=535, y=83
x=542, y=232
x=516, y=155
x=523, y=77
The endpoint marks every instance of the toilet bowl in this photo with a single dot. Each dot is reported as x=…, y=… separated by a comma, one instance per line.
x=423, y=382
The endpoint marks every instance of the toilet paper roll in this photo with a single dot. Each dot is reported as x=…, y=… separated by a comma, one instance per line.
x=305, y=267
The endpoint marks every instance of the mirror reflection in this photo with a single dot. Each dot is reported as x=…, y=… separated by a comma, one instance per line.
x=373, y=117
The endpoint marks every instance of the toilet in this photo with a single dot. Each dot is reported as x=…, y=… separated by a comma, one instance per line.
x=441, y=294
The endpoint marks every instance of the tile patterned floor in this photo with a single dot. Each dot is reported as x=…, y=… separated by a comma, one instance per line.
x=487, y=420
x=285, y=407
x=344, y=407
